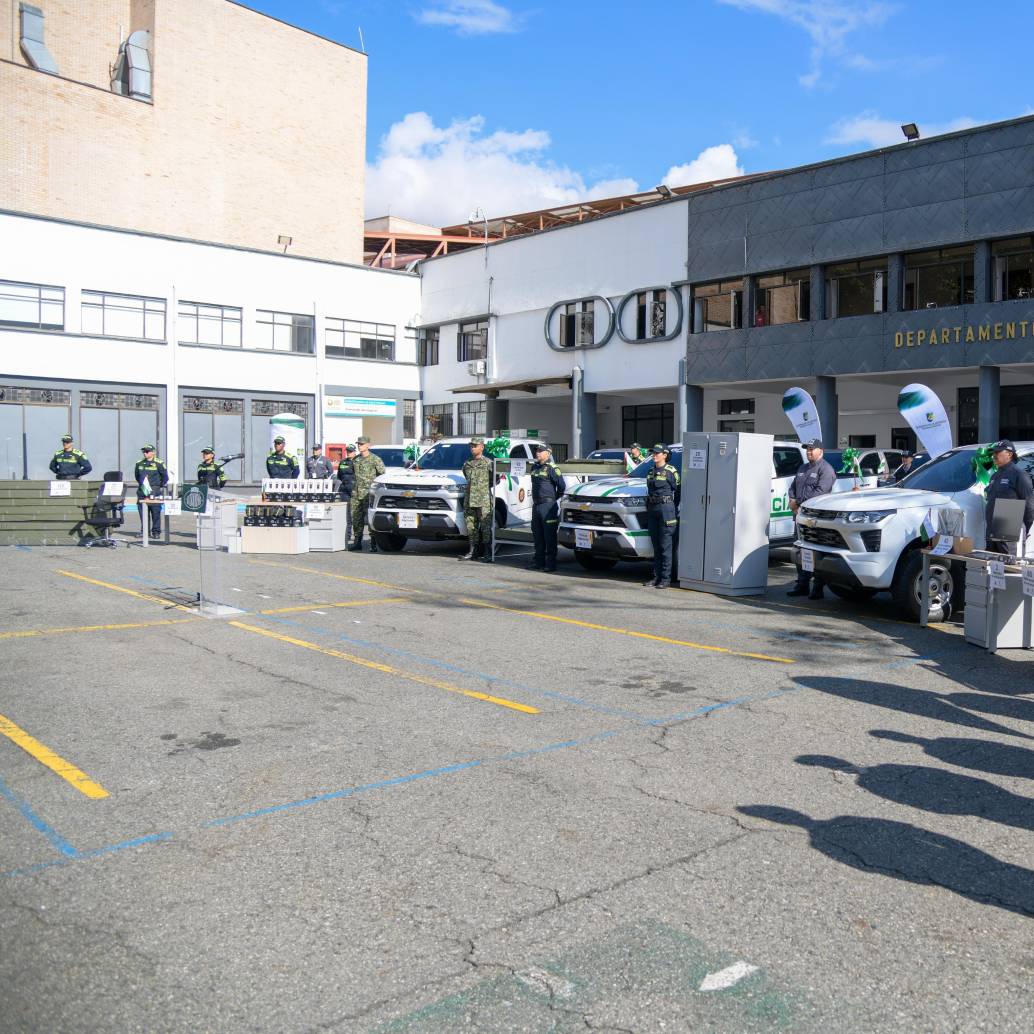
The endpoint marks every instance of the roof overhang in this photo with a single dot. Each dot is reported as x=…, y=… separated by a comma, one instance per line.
x=531, y=386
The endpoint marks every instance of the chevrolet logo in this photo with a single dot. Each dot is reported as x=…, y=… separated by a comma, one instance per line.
x=408, y=494
x=584, y=506
x=808, y=522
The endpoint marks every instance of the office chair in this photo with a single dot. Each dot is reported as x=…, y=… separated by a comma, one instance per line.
x=105, y=512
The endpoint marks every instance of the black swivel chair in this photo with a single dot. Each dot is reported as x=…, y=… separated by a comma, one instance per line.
x=105, y=512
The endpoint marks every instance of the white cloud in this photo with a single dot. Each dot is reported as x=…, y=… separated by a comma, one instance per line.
x=713, y=163
x=469, y=17
x=869, y=130
x=828, y=24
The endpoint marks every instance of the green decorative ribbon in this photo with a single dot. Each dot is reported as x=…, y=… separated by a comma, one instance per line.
x=498, y=448
x=983, y=464
x=411, y=452
x=850, y=462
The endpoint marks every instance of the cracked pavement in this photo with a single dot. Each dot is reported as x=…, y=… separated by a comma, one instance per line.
x=328, y=846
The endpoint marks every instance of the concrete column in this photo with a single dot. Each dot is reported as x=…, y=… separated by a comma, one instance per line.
x=895, y=282
x=750, y=284
x=818, y=293
x=989, y=399
x=583, y=416
x=694, y=412
x=983, y=280
x=826, y=401
x=497, y=414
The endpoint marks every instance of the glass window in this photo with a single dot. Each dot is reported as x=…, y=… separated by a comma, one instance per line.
x=427, y=347
x=409, y=418
x=438, y=421
x=786, y=461
x=472, y=341
x=577, y=324
x=938, y=278
x=284, y=332
x=123, y=315
x=472, y=417
x=856, y=288
x=31, y=305
x=353, y=339
x=735, y=407
x=651, y=314
x=445, y=456
x=648, y=424
x=199, y=324
x=389, y=456
x=949, y=472
x=722, y=304
x=783, y=298
x=1014, y=268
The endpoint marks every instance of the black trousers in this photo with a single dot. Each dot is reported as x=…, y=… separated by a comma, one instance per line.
x=152, y=514
x=662, y=521
x=545, y=521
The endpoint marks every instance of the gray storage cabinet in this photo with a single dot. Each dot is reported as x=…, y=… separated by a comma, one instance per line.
x=726, y=505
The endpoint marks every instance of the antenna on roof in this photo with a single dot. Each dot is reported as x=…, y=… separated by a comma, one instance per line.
x=362, y=42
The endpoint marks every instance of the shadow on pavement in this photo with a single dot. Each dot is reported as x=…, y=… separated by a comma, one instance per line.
x=981, y=755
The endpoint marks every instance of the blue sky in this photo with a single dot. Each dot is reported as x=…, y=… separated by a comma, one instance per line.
x=511, y=106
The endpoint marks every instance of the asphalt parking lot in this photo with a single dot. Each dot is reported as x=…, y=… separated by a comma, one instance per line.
x=399, y=793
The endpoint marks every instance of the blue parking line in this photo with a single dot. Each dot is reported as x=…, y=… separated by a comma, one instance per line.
x=48, y=831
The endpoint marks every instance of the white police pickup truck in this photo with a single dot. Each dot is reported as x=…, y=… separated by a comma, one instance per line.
x=426, y=501
x=604, y=521
x=869, y=541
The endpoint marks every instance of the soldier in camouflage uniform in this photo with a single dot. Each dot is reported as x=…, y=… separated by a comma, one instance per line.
x=477, y=503
x=365, y=467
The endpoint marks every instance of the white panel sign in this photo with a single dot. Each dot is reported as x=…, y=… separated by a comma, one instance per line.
x=173, y=508
x=60, y=487
x=1028, y=581
x=582, y=538
x=408, y=519
x=518, y=468
x=697, y=459
x=996, y=573
x=943, y=547
x=112, y=488
x=315, y=511
x=807, y=559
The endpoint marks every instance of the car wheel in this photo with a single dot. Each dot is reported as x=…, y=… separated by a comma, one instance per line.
x=907, y=587
x=855, y=593
x=594, y=563
x=389, y=541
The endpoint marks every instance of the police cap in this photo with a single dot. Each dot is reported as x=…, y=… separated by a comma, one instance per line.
x=147, y=448
x=278, y=440
x=1004, y=446
x=542, y=447
x=349, y=448
x=636, y=445
x=66, y=437
x=814, y=443
x=209, y=450
x=316, y=445
x=660, y=448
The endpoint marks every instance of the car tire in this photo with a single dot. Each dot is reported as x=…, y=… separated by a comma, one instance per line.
x=389, y=541
x=855, y=593
x=905, y=589
x=594, y=563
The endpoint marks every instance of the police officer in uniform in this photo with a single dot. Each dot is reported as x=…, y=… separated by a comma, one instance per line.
x=365, y=467
x=279, y=463
x=636, y=454
x=662, y=499
x=1008, y=481
x=69, y=464
x=814, y=477
x=345, y=484
x=208, y=471
x=150, y=471
x=905, y=467
x=317, y=465
x=477, y=503
x=547, y=489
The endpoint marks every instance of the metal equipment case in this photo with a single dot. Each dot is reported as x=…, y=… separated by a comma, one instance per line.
x=726, y=502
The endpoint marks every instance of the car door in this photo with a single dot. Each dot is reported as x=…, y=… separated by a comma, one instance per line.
x=785, y=461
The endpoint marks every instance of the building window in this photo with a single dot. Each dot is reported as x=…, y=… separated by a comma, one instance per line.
x=200, y=324
x=473, y=416
x=648, y=424
x=938, y=278
x=284, y=332
x=472, y=342
x=352, y=339
x=427, y=347
x=577, y=324
x=1014, y=268
x=123, y=315
x=783, y=298
x=856, y=288
x=409, y=418
x=651, y=318
x=438, y=421
x=721, y=304
x=32, y=306
x=736, y=407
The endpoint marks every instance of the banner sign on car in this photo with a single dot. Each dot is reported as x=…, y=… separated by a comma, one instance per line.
x=924, y=412
x=800, y=410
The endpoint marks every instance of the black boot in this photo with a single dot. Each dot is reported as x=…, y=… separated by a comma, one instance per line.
x=356, y=547
x=373, y=544
x=816, y=590
x=800, y=589
x=470, y=554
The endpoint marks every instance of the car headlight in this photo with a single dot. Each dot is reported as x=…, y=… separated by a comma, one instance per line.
x=867, y=516
x=453, y=489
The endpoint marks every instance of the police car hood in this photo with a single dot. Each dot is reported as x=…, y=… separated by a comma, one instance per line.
x=608, y=488
x=879, y=499
x=425, y=479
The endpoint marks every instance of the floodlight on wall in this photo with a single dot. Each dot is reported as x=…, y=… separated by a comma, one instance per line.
x=911, y=131
x=664, y=190
x=285, y=241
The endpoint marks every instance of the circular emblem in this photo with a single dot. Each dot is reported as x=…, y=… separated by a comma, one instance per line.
x=193, y=498
x=520, y=496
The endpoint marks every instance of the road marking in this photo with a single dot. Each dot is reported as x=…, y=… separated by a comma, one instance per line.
x=322, y=613
x=32, y=633
x=387, y=669
x=350, y=603
x=128, y=592
x=343, y=577
x=727, y=977
x=45, y=756
x=630, y=632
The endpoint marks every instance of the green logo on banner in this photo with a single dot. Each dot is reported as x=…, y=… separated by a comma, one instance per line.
x=194, y=498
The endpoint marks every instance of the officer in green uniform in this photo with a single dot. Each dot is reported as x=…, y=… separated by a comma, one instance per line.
x=280, y=463
x=365, y=467
x=547, y=489
x=662, y=515
x=69, y=464
x=151, y=479
x=477, y=503
x=208, y=471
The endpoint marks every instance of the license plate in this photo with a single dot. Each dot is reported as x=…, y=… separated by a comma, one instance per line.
x=582, y=538
x=409, y=520
x=807, y=559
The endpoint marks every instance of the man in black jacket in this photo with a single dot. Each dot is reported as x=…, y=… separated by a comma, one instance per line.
x=1009, y=481
x=69, y=464
x=547, y=489
x=813, y=478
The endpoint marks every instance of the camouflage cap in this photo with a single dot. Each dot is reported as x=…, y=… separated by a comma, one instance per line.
x=477, y=440
x=362, y=440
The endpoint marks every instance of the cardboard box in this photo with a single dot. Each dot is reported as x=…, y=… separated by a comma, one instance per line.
x=961, y=546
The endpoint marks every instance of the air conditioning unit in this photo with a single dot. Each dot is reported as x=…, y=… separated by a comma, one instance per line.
x=477, y=368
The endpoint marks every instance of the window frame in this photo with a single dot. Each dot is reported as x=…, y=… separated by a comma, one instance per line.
x=440, y=409
x=427, y=345
x=40, y=302
x=160, y=308
x=946, y=257
x=479, y=411
x=874, y=268
x=197, y=317
x=274, y=323
x=733, y=290
x=1001, y=254
x=798, y=280
x=465, y=353
x=360, y=331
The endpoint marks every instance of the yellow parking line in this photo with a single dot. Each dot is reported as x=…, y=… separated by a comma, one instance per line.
x=31, y=633
x=128, y=592
x=387, y=669
x=45, y=756
x=332, y=606
x=631, y=632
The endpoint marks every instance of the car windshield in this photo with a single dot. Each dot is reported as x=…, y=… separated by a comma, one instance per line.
x=950, y=472
x=391, y=457
x=445, y=456
x=675, y=459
